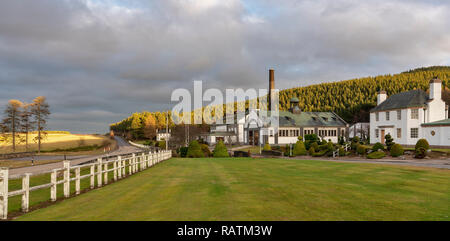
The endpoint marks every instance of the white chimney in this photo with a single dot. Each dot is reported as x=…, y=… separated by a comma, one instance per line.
x=435, y=89
x=381, y=97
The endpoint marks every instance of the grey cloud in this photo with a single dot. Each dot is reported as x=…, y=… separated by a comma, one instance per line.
x=98, y=62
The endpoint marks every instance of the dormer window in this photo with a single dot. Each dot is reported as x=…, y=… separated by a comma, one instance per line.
x=334, y=118
x=325, y=119
x=314, y=118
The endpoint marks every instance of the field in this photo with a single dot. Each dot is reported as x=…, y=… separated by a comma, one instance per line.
x=60, y=142
x=263, y=189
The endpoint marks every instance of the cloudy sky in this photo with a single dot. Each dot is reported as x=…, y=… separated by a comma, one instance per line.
x=98, y=61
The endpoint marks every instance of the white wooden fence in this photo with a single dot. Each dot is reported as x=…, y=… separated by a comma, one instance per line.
x=99, y=168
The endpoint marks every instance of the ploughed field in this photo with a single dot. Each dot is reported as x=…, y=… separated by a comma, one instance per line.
x=263, y=189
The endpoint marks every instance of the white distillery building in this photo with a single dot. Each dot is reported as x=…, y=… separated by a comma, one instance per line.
x=248, y=129
x=410, y=116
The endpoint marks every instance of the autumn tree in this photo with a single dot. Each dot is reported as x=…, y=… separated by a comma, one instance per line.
x=40, y=111
x=12, y=119
x=150, y=127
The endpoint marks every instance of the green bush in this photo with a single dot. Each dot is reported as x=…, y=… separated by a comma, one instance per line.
x=205, y=150
x=310, y=140
x=355, y=143
x=320, y=153
x=315, y=145
x=397, y=150
x=420, y=153
x=323, y=147
x=389, y=141
x=378, y=146
x=162, y=145
x=299, y=149
x=311, y=151
x=376, y=155
x=183, y=151
x=342, y=151
x=220, y=150
x=267, y=147
x=195, y=150
x=287, y=151
x=422, y=143
x=361, y=149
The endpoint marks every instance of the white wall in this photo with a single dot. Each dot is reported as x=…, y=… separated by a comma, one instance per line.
x=441, y=135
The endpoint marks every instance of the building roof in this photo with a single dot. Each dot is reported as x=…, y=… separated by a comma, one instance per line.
x=445, y=122
x=413, y=98
x=310, y=119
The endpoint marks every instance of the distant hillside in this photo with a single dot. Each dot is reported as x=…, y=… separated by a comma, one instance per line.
x=351, y=99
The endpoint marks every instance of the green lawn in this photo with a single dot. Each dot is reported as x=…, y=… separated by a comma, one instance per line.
x=263, y=189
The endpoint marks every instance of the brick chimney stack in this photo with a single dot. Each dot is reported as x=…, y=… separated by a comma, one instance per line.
x=271, y=87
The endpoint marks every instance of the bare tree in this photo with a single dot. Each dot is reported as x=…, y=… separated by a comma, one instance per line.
x=12, y=120
x=26, y=122
x=40, y=111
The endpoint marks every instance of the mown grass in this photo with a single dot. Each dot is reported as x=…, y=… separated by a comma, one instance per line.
x=263, y=189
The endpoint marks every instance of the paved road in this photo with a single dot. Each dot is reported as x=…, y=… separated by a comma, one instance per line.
x=123, y=148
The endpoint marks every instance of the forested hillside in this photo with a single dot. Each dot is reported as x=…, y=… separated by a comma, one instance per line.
x=351, y=99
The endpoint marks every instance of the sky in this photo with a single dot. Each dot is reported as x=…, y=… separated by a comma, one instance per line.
x=99, y=61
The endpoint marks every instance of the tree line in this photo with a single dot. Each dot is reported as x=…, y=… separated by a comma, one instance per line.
x=350, y=99
x=23, y=118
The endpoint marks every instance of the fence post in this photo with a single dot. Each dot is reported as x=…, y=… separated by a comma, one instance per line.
x=123, y=167
x=92, y=176
x=105, y=175
x=53, y=179
x=77, y=180
x=130, y=165
x=119, y=168
x=26, y=192
x=115, y=169
x=66, y=178
x=4, y=175
x=142, y=161
x=133, y=161
x=99, y=172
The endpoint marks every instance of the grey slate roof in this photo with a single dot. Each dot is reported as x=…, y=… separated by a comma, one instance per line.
x=413, y=98
x=310, y=119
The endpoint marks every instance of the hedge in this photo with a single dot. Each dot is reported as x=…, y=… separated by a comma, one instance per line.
x=376, y=155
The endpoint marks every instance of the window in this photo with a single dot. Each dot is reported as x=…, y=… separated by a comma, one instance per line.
x=399, y=132
x=415, y=114
x=388, y=116
x=414, y=132
x=309, y=132
x=271, y=133
x=342, y=132
x=377, y=116
x=325, y=119
x=377, y=133
x=399, y=115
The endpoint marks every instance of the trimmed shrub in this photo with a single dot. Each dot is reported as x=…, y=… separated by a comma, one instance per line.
x=195, y=150
x=422, y=143
x=310, y=139
x=287, y=151
x=299, y=149
x=162, y=144
x=397, y=150
x=420, y=153
x=378, y=146
x=361, y=149
x=389, y=141
x=355, y=143
x=205, y=150
x=376, y=155
x=320, y=153
x=315, y=145
x=267, y=147
x=311, y=151
x=220, y=150
x=323, y=147
x=342, y=151
x=183, y=151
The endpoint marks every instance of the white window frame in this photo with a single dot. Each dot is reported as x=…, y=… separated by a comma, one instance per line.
x=414, y=133
x=414, y=114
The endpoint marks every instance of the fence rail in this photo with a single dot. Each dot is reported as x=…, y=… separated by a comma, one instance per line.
x=99, y=169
